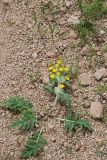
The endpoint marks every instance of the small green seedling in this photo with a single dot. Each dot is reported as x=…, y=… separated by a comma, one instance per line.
x=102, y=153
x=49, y=10
x=52, y=30
x=101, y=88
x=91, y=53
x=16, y=104
x=32, y=78
x=86, y=30
x=74, y=71
x=39, y=25
x=105, y=48
x=73, y=121
x=35, y=144
x=90, y=12
x=26, y=122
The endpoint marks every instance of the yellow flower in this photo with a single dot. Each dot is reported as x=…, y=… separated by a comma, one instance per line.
x=66, y=69
x=61, y=69
x=58, y=73
x=67, y=78
x=54, y=70
x=50, y=68
x=59, y=61
x=61, y=86
x=52, y=76
x=56, y=65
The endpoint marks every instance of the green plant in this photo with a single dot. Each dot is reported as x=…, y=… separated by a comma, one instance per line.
x=105, y=48
x=86, y=30
x=16, y=104
x=39, y=25
x=49, y=10
x=90, y=12
x=32, y=78
x=59, y=78
x=74, y=71
x=100, y=89
x=73, y=121
x=26, y=122
x=52, y=29
x=34, y=145
x=91, y=53
x=99, y=152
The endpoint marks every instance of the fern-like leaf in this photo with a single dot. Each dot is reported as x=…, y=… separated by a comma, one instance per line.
x=101, y=88
x=70, y=123
x=26, y=122
x=34, y=145
x=64, y=98
x=83, y=124
x=16, y=104
x=49, y=89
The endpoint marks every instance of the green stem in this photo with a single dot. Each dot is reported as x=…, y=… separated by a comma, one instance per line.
x=39, y=134
x=55, y=102
x=56, y=98
x=61, y=119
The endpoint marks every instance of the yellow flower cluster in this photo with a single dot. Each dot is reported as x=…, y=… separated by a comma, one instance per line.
x=61, y=86
x=59, y=69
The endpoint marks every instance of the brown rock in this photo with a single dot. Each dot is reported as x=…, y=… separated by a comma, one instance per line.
x=34, y=55
x=99, y=73
x=45, y=79
x=53, y=139
x=86, y=104
x=85, y=79
x=68, y=3
x=72, y=35
x=84, y=50
x=77, y=147
x=96, y=110
x=50, y=54
x=73, y=20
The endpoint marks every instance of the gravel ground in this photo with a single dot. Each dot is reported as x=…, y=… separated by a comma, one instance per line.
x=22, y=52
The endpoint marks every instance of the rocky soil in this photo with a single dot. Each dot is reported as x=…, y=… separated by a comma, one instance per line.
x=24, y=52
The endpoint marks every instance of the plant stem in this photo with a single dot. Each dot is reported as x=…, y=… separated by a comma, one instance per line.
x=55, y=102
x=39, y=134
x=61, y=119
x=56, y=98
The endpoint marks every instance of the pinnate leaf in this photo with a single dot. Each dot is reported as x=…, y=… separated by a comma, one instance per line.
x=26, y=122
x=34, y=145
x=16, y=104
